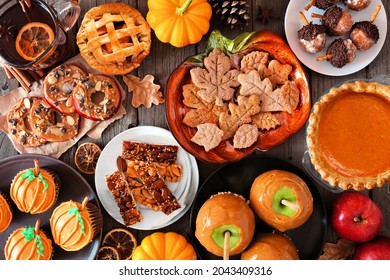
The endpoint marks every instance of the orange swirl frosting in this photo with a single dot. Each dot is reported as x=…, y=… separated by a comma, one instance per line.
x=28, y=243
x=72, y=225
x=262, y=199
x=34, y=190
x=5, y=214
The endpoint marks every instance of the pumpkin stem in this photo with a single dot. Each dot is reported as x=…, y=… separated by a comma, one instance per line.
x=36, y=164
x=181, y=10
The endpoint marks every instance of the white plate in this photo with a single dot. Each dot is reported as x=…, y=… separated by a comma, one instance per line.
x=293, y=23
x=184, y=190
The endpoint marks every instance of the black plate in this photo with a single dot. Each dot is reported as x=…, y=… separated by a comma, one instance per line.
x=238, y=178
x=73, y=186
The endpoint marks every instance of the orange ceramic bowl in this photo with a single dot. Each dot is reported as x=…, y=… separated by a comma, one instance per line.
x=247, y=42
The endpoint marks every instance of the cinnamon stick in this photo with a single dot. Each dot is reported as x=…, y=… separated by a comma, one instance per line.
x=34, y=75
x=8, y=73
x=41, y=73
x=21, y=77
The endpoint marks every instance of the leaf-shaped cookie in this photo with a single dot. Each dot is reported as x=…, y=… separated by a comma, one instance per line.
x=265, y=120
x=251, y=83
x=240, y=114
x=277, y=73
x=145, y=92
x=203, y=112
x=245, y=136
x=341, y=250
x=218, y=80
x=253, y=61
x=208, y=135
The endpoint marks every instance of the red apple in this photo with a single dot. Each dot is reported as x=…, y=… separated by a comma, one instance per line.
x=375, y=249
x=356, y=217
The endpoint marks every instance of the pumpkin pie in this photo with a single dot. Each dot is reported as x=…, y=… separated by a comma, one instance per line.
x=348, y=135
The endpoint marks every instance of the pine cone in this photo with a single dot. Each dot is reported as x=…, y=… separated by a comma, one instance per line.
x=233, y=13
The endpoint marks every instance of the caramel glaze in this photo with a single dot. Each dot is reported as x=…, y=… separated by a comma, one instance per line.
x=225, y=209
x=354, y=134
x=270, y=246
x=262, y=194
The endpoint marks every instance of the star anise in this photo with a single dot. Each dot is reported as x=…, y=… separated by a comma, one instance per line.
x=264, y=14
x=8, y=30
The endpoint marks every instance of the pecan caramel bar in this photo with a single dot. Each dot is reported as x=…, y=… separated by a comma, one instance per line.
x=149, y=152
x=157, y=187
x=124, y=198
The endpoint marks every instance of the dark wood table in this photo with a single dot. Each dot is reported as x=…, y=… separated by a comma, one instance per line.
x=164, y=58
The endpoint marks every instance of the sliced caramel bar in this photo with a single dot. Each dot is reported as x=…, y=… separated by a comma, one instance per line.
x=157, y=187
x=149, y=152
x=124, y=198
x=169, y=172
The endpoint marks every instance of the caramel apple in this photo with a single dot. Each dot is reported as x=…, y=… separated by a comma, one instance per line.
x=281, y=199
x=225, y=213
x=270, y=246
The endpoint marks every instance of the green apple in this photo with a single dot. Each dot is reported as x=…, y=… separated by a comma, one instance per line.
x=281, y=195
x=219, y=235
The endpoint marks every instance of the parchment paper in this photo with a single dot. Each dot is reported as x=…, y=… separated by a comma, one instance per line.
x=88, y=127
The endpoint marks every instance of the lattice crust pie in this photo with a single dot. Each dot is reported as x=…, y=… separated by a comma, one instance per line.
x=348, y=135
x=114, y=38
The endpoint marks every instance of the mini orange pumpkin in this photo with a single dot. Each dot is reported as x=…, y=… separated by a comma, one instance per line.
x=164, y=246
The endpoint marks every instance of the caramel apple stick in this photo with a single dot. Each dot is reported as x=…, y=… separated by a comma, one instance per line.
x=375, y=14
x=311, y=3
x=226, y=247
x=303, y=18
x=325, y=57
x=290, y=204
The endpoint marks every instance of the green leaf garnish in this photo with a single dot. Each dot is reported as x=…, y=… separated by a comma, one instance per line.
x=45, y=184
x=28, y=175
x=224, y=44
x=79, y=218
x=29, y=235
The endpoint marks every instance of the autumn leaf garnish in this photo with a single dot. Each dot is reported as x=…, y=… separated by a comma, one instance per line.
x=208, y=135
x=239, y=114
x=218, y=80
x=75, y=211
x=342, y=250
x=29, y=235
x=28, y=175
x=145, y=91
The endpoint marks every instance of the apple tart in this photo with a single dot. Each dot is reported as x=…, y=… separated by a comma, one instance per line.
x=114, y=38
x=348, y=135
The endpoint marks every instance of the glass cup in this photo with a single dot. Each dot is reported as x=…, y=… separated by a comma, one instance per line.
x=61, y=15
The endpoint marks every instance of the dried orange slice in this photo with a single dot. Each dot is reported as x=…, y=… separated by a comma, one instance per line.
x=86, y=157
x=107, y=253
x=33, y=39
x=122, y=240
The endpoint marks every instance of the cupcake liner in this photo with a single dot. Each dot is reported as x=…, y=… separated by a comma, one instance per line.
x=96, y=218
x=8, y=201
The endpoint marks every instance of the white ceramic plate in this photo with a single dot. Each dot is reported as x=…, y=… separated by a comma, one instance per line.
x=293, y=23
x=184, y=190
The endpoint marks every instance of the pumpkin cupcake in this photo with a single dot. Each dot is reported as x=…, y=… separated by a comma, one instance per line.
x=5, y=212
x=35, y=190
x=74, y=225
x=28, y=243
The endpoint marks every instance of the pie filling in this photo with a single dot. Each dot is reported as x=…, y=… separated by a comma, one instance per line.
x=354, y=134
